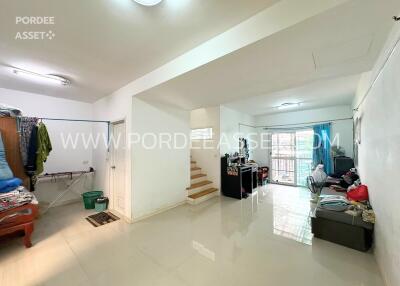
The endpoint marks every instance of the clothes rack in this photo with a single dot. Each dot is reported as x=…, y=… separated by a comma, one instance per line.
x=64, y=174
x=303, y=125
x=295, y=125
x=69, y=189
x=80, y=120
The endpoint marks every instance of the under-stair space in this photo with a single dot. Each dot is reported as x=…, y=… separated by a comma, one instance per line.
x=201, y=189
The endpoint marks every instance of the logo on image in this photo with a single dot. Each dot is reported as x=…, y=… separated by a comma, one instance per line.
x=34, y=34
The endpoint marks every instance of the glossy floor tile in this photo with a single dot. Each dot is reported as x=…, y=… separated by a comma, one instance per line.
x=263, y=240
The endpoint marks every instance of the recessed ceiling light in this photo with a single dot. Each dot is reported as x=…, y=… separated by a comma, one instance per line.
x=41, y=77
x=288, y=105
x=148, y=2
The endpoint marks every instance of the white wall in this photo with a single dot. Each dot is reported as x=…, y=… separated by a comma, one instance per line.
x=234, y=125
x=343, y=129
x=379, y=157
x=61, y=159
x=162, y=174
x=113, y=108
x=206, y=152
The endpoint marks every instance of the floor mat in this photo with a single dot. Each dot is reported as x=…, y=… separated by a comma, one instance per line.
x=101, y=218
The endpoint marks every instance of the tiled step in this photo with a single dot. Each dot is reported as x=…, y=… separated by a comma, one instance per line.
x=202, y=196
x=200, y=184
x=198, y=187
x=197, y=178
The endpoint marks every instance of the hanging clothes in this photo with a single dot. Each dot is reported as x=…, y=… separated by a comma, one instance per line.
x=322, y=147
x=25, y=127
x=30, y=167
x=43, y=147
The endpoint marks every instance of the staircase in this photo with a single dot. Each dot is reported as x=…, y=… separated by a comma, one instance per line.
x=200, y=188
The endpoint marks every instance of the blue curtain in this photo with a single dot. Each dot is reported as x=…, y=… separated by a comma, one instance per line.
x=322, y=146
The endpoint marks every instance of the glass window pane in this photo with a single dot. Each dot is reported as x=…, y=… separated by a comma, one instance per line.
x=202, y=134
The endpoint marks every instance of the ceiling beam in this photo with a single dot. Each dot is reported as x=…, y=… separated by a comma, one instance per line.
x=284, y=14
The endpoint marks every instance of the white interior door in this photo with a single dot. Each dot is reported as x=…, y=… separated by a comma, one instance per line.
x=117, y=168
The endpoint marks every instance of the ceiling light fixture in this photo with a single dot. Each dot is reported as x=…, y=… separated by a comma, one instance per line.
x=288, y=105
x=42, y=77
x=148, y=2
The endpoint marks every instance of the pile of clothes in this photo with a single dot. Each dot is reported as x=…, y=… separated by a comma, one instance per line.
x=9, y=111
x=12, y=193
x=352, y=198
x=334, y=203
x=16, y=198
x=343, y=182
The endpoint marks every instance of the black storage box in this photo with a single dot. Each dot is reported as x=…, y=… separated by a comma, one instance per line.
x=341, y=228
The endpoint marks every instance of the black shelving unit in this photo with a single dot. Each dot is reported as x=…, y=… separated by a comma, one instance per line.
x=235, y=184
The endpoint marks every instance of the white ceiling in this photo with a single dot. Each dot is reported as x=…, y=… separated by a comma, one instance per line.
x=321, y=93
x=102, y=45
x=317, y=62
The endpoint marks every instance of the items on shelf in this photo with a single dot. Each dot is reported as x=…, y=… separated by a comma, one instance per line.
x=9, y=111
x=237, y=179
x=244, y=149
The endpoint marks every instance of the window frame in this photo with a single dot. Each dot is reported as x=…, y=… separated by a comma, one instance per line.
x=205, y=136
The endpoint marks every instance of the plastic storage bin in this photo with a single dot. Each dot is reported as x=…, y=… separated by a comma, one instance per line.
x=101, y=204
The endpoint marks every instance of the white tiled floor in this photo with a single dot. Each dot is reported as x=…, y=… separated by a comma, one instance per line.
x=263, y=240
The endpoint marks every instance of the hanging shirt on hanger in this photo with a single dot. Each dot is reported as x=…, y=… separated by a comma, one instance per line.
x=43, y=147
x=26, y=125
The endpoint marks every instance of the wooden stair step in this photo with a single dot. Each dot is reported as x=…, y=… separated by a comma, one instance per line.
x=193, y=162
x=203, y=193
x=200, y=184
x=198, y=176
x=195, y=169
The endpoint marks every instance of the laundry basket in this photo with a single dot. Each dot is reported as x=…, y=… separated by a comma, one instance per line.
x=89, y=199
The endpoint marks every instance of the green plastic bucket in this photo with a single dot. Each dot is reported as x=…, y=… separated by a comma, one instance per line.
x=89, y=199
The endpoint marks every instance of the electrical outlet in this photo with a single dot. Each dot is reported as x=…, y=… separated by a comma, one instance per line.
x=85, y=162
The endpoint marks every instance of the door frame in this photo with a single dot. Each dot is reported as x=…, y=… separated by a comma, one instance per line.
x=127, y=207
x=290, y=158
x=293, y=130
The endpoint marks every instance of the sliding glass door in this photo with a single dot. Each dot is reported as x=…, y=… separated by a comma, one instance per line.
x=291, y=156
x=304, y=153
